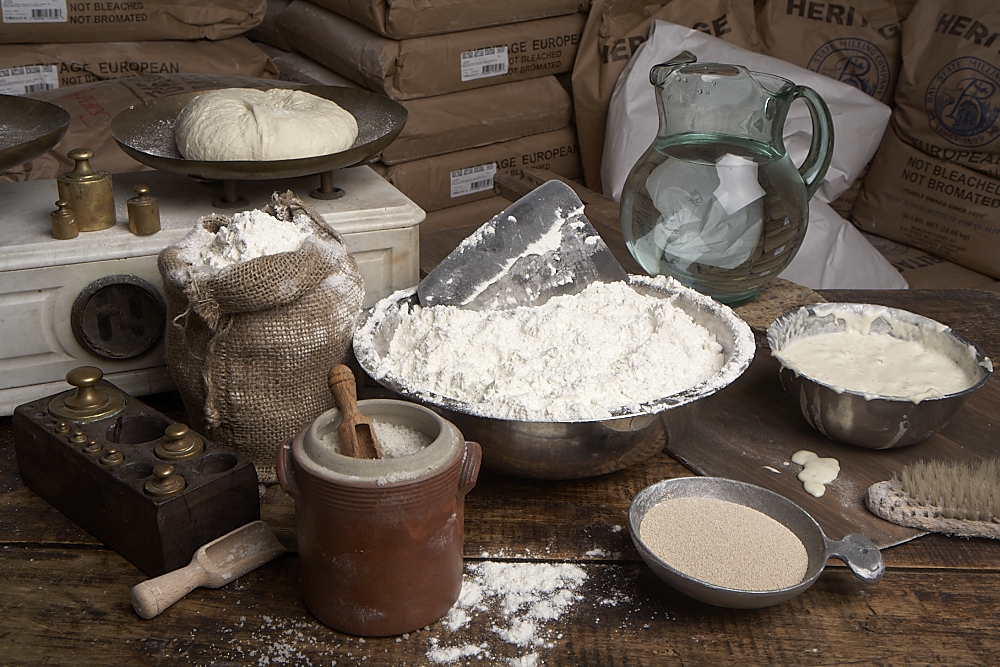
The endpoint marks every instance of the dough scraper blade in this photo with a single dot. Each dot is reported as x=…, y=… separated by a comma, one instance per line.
x=540, y=246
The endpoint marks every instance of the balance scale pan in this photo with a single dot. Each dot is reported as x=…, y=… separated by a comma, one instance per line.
x=146, y=133
x=28, y=128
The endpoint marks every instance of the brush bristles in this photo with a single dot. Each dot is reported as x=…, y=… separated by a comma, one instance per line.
x=958, y=490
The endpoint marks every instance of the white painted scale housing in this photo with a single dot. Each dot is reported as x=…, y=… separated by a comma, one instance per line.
x=41, y=278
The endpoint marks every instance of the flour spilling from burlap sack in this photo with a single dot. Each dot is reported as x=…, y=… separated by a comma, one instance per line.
x=833, y=254
x=252, y=334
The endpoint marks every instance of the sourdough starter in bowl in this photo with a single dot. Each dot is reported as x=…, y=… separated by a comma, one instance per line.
x=880, y=353
x=606, y=351
x=873, y=376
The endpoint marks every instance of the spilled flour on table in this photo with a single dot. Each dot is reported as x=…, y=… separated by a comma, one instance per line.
x=519, y=599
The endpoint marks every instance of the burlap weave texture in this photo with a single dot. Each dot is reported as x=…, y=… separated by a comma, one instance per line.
x=249, y=346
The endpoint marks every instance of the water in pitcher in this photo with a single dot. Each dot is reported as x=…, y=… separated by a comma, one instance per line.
x=720, y=213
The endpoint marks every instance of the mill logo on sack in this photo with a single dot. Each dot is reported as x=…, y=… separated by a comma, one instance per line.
x=963, y=102
x=856, y=62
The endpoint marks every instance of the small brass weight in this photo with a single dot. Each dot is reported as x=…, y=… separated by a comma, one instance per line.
x=143, y=212
x=88, y=192
x=64, y=222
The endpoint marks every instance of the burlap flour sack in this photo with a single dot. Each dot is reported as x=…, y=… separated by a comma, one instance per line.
x=268, y=32
x=856, y=43
x=932, y=204
x=73, y=64
x=946, y=100
x=904, y=7
x=464, y=176
x=614, y=29
x=858, y=119
x=922, y=270
x=296, y=68
x=129, y=21
x=464, y=215
x=471, y=118
x=425, y=66
x=417, y=18
x=250, y=345
x=93, y=105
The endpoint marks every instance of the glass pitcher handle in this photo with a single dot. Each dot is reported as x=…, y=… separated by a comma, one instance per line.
x=814, y=167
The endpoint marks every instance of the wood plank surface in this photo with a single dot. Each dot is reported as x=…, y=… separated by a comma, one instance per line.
x=65, y=597
x=750, y=430
x=70, y=607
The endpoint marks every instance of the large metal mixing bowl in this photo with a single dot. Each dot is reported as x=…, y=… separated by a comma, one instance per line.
x=881, y=422
x=570, y=449
x=28, y=128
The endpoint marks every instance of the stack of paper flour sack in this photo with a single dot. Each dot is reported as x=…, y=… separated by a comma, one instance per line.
x=96, y=58
x=477, y=79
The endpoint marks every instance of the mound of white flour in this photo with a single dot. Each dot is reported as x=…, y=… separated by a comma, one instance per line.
x=248, y=235
x=579, y=357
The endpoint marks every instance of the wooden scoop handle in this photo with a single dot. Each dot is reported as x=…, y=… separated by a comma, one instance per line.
x=356, y=433
x=344, y=390
x=152, y=597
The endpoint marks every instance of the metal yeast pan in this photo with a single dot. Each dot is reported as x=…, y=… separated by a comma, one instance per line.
x=28, y=128
x=146, y=133
x=860, y=553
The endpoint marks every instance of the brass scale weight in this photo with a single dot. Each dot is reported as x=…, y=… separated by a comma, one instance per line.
x=148, y=487
x=87, y=202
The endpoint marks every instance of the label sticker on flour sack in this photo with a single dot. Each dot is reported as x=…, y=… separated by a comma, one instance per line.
x=472, y=179
x=30, y=79
x=34, y=11
x=483, y=63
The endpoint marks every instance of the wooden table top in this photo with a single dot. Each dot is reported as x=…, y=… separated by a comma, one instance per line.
x=65, y=597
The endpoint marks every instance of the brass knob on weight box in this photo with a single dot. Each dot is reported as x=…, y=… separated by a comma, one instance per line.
x=88, y=402
x=181, y=444
x=89, y=192
x=165, y=482
x=112, y=457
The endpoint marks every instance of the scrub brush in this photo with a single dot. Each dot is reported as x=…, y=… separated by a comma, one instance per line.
x=955, y=498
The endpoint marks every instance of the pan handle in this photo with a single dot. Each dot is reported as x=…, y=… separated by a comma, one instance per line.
x=285, y=473
x=470, y=467
x=860, y=554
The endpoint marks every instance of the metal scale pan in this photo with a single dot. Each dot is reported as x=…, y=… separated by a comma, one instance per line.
x=146, y=133
x=28, y=128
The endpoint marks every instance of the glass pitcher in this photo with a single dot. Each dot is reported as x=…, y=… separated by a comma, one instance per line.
x=715, y=201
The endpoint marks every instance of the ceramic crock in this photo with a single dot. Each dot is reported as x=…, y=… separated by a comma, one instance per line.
x=380, y=540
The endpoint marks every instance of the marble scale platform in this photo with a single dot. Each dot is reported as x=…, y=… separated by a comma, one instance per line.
x=41, y=278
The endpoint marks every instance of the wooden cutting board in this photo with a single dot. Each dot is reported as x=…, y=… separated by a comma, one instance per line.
x=752, y=426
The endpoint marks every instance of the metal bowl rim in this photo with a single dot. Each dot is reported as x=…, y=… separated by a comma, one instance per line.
x=660, y=488
x=729, y=373
x=783, y=320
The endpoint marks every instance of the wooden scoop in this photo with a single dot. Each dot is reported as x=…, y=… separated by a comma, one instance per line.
x=214, y=565
x=357, y=436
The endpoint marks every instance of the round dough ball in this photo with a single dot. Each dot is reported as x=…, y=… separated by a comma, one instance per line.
x=250, y=124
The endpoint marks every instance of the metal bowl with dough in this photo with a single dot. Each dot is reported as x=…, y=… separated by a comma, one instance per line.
x=569, y=449
x=874, y=422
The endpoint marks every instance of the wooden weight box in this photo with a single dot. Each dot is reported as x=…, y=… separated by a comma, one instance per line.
x=146, y=486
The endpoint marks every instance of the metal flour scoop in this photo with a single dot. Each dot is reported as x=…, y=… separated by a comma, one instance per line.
x=540, y=246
